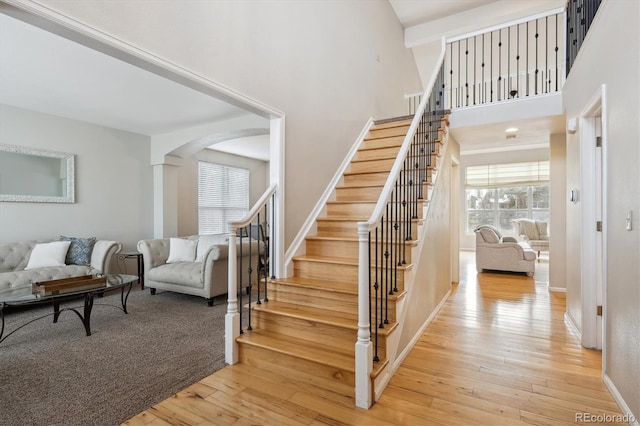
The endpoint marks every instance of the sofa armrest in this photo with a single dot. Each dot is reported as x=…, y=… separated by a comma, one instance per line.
x=509, y=240
x=154, y=252
x=102, y=252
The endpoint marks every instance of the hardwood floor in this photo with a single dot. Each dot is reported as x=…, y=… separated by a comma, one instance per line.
x=498, y=352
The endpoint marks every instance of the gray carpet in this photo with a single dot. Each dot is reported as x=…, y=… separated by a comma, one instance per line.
x=53, y=374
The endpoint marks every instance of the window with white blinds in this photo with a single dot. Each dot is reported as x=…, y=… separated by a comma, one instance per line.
x=223, y=196
x=512, y=174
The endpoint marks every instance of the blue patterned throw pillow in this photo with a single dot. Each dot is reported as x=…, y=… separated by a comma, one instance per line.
x=79, y=251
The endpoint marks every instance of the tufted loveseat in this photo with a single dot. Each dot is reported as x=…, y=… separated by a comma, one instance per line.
x=15, y=256
x=207, y=278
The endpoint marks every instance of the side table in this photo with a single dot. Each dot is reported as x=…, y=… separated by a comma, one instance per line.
x=138, y=256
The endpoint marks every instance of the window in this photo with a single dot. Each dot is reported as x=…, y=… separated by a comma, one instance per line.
x=497, y=194
x=223, y=196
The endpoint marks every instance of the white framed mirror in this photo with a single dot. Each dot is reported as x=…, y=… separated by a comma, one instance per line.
x=36, y=175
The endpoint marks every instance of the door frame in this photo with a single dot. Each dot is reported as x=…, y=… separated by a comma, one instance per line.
x=593, y=294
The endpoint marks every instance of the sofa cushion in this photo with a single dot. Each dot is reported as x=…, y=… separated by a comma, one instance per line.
x=48, y=254
x=206, y=241
x=183, y=273
x=79, y=251
x=182, y=250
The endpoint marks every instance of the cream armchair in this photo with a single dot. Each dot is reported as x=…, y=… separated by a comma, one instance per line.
x=495, y=252
x=206, y=277
x=534, y=232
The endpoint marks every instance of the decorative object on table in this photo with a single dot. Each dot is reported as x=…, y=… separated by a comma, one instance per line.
x=69, y=285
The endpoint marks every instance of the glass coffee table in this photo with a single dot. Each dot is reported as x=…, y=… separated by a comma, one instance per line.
x=24, y=296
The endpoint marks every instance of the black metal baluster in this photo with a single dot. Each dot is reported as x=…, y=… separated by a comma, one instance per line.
x=240, y=276
x=475, y=67
x=466, y=71
x=484, y=85
x=498, y=97
x=518, y=61
x=387, y=272
x=376, y=286
x=508, y=82
x=546, y=54
x=527, y=53
x=451, y=74
x=491, y=67
x=369, y=291
x=556, y=50
x=272, y=252
x=537, y=70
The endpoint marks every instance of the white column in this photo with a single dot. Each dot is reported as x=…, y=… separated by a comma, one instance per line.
x=165, y=199
x=364, y=348
x=232, y=319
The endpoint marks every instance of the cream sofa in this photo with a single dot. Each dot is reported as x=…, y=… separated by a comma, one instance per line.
x=207, y=278
x=534, y=233
x=495, y=252
x=14, y=257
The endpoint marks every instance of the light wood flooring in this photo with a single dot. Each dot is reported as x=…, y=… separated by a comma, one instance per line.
x=498, y=352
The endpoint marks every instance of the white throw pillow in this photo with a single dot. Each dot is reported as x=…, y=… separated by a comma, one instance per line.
x=182, y=250
x=48, y=254
x=206, y=241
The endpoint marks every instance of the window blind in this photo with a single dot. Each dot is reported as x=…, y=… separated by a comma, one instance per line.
x=513, y=174
x=223, y=196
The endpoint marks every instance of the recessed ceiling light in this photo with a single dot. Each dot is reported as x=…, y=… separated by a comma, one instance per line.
x=511, y=129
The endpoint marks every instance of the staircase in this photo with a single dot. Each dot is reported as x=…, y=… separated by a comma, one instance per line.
x=307, y=330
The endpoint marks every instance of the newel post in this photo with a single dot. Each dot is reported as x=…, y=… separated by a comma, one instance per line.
x=232, y=318
x=364, y=349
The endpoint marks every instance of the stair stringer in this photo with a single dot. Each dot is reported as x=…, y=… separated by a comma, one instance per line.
x=394, y=356
x=309, y=227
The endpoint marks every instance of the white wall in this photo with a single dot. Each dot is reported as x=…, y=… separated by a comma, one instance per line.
x=468, y=239
x=603, y=59
x=329, y=65
x=188, y=184
x=558, y=201
x=113, y=181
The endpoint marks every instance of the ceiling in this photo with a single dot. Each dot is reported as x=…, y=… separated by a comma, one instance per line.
x=50, y=74
x=413, y=14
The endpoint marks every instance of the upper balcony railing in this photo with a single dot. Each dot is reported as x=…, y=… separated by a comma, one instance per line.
x=517, y=60
x=580, y=14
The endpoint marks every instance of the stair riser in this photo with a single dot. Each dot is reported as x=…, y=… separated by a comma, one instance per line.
x=336, y=302
x=371, y=166
x=338, y=337
x=347, y=228
x=384, y=133
x=378, y=178
x=332, y=378
x=346, y=249
x=389, y=142
x=367, y=193
x=332, y=271
x=351, y=209
x=365, y=209
x=377, y=154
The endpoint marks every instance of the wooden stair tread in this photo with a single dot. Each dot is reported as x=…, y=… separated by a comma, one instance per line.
x=350, y=186
x=343, y=218
x=315, y=352
x=328, y=259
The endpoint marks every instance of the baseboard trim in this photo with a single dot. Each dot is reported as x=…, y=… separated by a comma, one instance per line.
x=572, y=326
x=558, y=289
x=631, y=419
